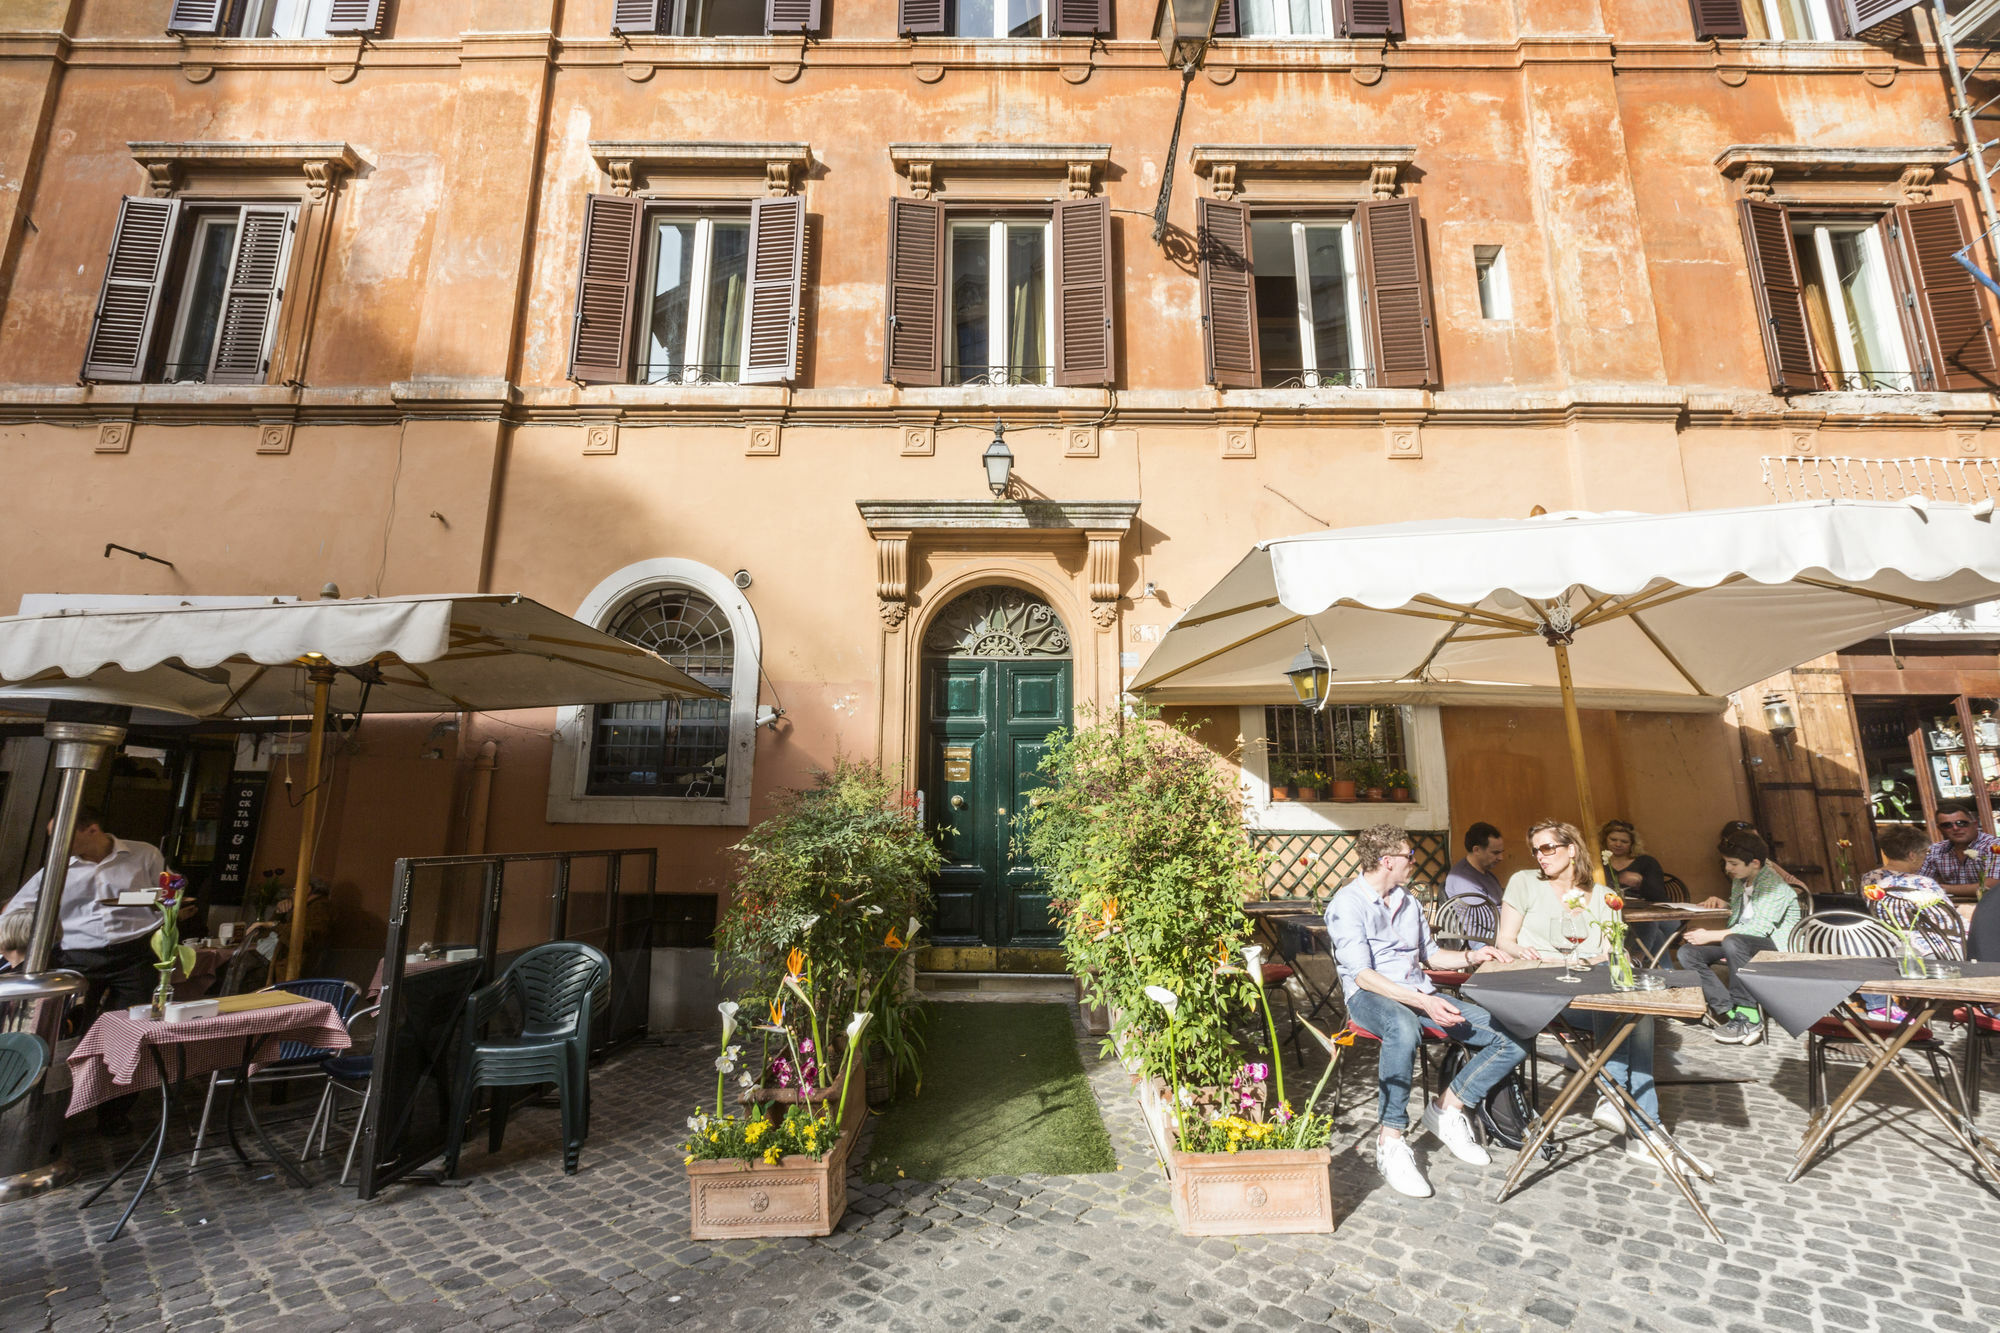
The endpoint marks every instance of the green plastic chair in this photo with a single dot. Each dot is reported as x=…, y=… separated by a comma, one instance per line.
x=23, y=1057
x=557, y=988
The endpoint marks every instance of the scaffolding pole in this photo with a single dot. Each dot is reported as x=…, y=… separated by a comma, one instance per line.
x=1963, y=112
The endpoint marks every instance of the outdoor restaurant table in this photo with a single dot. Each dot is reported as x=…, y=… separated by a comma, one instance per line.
x=1526, y=997
x=1799, y=989
x=1683, y=915
x=208, y=960
x=112, y=1060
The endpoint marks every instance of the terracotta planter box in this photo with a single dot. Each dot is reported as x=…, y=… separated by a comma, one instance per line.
x=1258, y=1193
x=798, y=1197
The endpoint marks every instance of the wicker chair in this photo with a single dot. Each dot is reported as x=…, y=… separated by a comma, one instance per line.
x=1857, y=935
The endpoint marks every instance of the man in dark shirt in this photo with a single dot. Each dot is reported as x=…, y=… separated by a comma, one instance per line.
x=1472, y=880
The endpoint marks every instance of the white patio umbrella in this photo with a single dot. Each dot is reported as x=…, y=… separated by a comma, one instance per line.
x=271, y=658
x=1620, y=610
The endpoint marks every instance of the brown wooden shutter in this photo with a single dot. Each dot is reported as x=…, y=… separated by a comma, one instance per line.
x=1957, y=323
x=1397, y=285
x=606, y=289
x=1781, y=302
x=1225, y=19
x=1858, y=16
x=640, y=16
x=1719, y=18
x=1080, y=18
x=791, y=15
x=354, y=18
x=1371, y=18
x=250, y=304
x=121, y=333
x=1085, y=353
x=913, y=345
x=777, y=264
x=197, y=18
x=920, y=18
x=1228, y=295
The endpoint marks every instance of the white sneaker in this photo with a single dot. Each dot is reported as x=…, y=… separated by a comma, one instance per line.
x=1398, y=1166
x=1606, y=1116
x=1636, y=1147
x=1454, y=1131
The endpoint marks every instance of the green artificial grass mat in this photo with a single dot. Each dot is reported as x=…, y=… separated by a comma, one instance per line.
x=1004, y=1094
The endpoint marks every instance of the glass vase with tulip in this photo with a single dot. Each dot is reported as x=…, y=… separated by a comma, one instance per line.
x=167, y=947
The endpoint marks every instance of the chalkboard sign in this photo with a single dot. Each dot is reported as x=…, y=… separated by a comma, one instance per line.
x=236, y=840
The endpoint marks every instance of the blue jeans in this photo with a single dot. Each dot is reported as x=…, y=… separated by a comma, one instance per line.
x=1631, y=1068
x=1495, y=1054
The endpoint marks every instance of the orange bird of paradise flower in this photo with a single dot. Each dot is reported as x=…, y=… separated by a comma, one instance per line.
x=777, y=1014
x=892, y=939
x=795, y=963
x=1110, y=920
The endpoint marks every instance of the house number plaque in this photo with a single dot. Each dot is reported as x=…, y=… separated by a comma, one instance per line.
x=958, y=763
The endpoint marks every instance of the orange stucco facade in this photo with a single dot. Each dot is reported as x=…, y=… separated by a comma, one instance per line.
x=425, y=436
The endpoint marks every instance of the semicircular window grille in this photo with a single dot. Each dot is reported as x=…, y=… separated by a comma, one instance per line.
x=997, y=622
x=673, y=747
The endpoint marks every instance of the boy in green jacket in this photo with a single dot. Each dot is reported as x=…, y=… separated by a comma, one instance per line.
x=1762, y=911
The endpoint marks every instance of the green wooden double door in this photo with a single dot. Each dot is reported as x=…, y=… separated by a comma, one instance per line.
x=987, y=724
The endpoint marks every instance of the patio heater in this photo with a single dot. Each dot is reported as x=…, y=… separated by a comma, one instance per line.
x=84, y=732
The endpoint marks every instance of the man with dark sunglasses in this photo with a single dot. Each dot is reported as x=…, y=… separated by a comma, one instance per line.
x=1967, y=856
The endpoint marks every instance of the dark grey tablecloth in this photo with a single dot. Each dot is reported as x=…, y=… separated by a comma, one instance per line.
x=1800, y=993
x=1523, y=1002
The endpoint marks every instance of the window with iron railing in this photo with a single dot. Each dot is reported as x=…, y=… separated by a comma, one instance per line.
x=1308, y=303
x=1342, y=742
x=1002, y=298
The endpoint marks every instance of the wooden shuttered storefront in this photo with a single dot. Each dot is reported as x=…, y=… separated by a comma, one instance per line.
x=1953, y=340
x=777, y=269
x=121, y=332
x=1085, y=350
x=606, y=290
x=1779, y=294
x=913, y=342
x=1228, y=294
x=1395, y=277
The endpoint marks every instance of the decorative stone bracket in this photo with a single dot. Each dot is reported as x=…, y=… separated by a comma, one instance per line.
x=1079, y=163
x=896, y=523
x=168, y=163
x=782, y=165
x=1776, y=172
x=1226, y=165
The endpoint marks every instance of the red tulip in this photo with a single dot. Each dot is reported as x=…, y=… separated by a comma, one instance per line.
x=1614, y=902
x=1874, y=893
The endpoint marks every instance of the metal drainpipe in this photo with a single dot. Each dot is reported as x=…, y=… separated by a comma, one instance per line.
x=1962, y=112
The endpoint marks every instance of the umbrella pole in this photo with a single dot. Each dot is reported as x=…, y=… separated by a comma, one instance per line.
x=1578, y=764
x=321, y=674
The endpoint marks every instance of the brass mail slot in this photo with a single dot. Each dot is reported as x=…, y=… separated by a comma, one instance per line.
x=958, y=763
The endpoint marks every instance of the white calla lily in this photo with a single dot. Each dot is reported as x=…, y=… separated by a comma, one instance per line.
x=856, y=1023
x=728, y=1010
x=1253, y=958
x=1165, y=998
x=914, y=926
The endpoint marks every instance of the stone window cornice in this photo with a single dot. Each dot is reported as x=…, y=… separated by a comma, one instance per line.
x=1782, y=172
x=1079, y=164
x=629, y=161
x=1379, y=167
x=168, y=164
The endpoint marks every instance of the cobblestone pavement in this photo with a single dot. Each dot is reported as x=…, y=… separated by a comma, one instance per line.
x=1891, y=1233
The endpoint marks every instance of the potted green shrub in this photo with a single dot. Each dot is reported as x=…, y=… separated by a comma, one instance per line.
x=1313, y=784
x=1399, y=783
x=1281, y=780
x=1140, y=837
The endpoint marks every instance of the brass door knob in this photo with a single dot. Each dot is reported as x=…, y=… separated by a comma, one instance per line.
x=958, y=803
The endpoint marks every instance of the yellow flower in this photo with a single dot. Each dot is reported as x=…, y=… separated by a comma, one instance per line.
x=686, y=1160
x=771, y=1155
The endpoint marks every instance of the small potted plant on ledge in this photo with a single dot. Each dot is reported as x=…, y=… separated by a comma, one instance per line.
x=1140, y=837
x=1312, y=784
x=1281, y=780
x=1343, y=787
x=1368, y=776
x=1399, y=783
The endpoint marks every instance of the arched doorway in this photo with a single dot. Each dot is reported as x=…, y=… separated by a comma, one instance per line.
x=996, y=673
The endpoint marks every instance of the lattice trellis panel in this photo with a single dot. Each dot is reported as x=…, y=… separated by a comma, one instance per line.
x=1308, y=867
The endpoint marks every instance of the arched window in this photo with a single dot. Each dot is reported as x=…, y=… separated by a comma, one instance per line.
x=682, y=761
x=676, y=747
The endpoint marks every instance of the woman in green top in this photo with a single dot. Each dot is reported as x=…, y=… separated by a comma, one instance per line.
x=1532, y=927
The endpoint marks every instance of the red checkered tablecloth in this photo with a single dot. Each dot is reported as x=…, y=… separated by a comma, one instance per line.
x=111, y=1060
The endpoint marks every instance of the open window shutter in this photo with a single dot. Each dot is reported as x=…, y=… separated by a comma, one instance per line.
x=1781, y=302
x=606, y=288
x=920, y=18
x=1957, y=324
x=913, y=346
x=1397, y=282
x=349, y=18
x=777, y=264
x=1371, y=18
x=250, y=306
x=640, y=16
x=1858, y=16
x=1225, y=19
x=1080, y=18
x=122, y=331
x=197, y=18
x=791, y=15
x=1084, y=350
x=1719, y=18
x=1228, y=295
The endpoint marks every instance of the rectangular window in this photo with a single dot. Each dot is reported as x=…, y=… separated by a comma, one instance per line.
x=999, y=279
x=695, y=312
x=718, y=18
x=1496, y=297
x=1851, y=306
x=223, y=292
x=997, y=18
x=294, y=19
x=1284, y=18
x=1360, y=743
x=1308, y=303
x=1790, y=20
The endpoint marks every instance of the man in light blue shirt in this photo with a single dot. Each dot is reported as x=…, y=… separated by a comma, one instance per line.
x=1381, y=944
